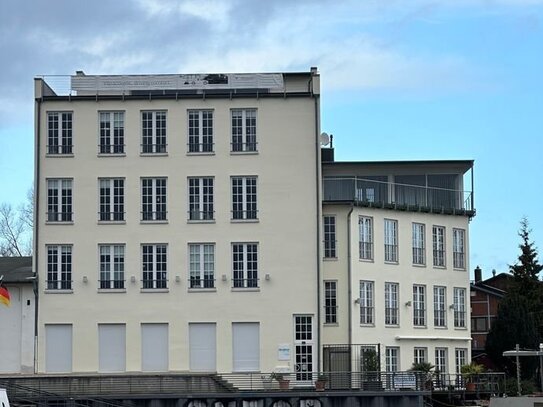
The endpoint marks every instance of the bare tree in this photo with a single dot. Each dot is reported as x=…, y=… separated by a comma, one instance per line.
x=27, y=209
x=13, y=228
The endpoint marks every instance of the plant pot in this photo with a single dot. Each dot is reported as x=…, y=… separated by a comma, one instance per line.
x=284, y=384
x=470, y=386
x=320, y=385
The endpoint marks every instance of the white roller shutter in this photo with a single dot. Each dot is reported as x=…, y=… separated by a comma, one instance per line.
x=154, y=347
x=246, y=344
x=202, y=342
x=112, y=347
x=58, y=348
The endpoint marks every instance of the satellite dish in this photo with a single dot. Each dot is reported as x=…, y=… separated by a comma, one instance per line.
x=325, y=139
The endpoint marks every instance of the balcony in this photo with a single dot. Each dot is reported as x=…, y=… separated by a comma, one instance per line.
x=377, y=193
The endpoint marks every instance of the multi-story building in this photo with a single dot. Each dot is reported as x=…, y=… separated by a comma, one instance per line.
x=176, y=216
x=396, y=263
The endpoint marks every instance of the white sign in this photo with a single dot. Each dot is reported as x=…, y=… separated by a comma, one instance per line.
x=405, y=381
x=283, y=351
x=90, y=83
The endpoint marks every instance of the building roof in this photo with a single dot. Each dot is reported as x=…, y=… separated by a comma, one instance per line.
x=16, y=269
x=464, y=165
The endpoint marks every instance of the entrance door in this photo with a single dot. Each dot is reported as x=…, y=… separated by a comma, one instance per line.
x=303, y=344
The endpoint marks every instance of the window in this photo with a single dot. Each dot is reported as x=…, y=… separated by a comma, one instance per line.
x=440, y=306
x=419, y=254
x=154, y=265
x=441, y=360
x=244, y=130
x=365, y=226
x=111, y=266
x=111, y=133
x=111, y=348
x=245, y=265
x=153, y=199
x=460, y=358
x=59, y=200
x=420, y=355
x=200, y=131
x=111, y=199
x=391, y=303
x=419, y=305
x=58, y=348
x=202, y=265
x=246, y=346
x=479, y=324
x=391, y=240
x=153, y=128
x=391, y=358
x=459, y=307
x=244, y=198
x=329, y=237
x=59, y=133
x=201, y=198
x=459, y=254
x=366, y=302
x=438, y=238
x=59, y=267
x=330, y=302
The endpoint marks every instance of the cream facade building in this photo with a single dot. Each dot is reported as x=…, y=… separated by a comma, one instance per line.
x=177, y=223
x=396, y=263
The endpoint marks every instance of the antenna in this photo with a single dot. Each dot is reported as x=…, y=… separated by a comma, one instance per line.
x=325, y=139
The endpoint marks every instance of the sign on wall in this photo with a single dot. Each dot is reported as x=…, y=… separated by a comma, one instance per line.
x=283, y=351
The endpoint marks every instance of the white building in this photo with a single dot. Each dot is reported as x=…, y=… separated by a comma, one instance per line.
x=176, y=223
x=17, y=321
x=396, y=270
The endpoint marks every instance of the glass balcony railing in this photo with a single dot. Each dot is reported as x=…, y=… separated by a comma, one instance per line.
x=368, y=192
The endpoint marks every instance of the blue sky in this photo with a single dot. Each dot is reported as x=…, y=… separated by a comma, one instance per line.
x=402, y=80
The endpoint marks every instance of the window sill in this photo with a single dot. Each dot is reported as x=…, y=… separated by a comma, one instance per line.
x=440, y=327
x=365, y=260
x=59, y=222
x=456, y=328
x=153, y=222
x=243, y=289
x=243, y=152
x=419, y=265
x=392, y=326
x=420, y=327
x=111, y=290
x=394, y=263
x=201, y=221
x=367, y=325
x=49, y=291
x=154, y=290
x=330, y=325
x=200, y=153
x=153, y=154
x=202, y=290
x=440, y=267
x=244, y=220
x=111, y=155
x=71, y=155
x=329, y=258
x=459, y=269
x=111, y=222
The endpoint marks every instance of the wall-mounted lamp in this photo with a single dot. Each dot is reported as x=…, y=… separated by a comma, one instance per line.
x=85, y=279
x=223, y=277
x=177, y=279
x=408, y=304
x=133, y=279
x=357, y=301
x=267, y=277
x=451, y=306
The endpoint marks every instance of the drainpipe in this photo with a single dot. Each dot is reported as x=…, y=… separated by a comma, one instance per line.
x=349, y=273
x=318, y=215
x=35, y=283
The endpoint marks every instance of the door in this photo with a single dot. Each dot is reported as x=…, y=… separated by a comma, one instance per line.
x=303, y=347
x=202, y=344
x=246, y=346
x=154, y=347
x=112, y=347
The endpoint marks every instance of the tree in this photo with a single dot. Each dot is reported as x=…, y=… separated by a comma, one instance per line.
x=16, y=228
x=515, y=323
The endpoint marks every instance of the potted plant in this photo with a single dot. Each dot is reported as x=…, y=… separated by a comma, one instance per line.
x=424, y=373
x=280, y=377
x=371, y=377
x=469, y=373
x=267, y=382
x=320, y=384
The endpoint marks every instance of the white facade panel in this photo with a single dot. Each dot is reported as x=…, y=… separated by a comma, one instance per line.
x=203, y=347
x=112, y=345
x=246, y=343
x=154, y=347
x=58, y=348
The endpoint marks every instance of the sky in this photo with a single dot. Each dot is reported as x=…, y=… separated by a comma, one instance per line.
x=401, y=80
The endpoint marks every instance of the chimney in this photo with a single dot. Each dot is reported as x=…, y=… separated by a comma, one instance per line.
x=493, y=272
x=478, y=274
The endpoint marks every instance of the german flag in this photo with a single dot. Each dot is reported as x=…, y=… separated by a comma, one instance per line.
x=4, y=296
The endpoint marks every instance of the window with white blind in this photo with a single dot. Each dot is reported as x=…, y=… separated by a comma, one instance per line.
x=246, y=346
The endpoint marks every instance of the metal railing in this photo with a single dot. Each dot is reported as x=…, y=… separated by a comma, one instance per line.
x=400, y=196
